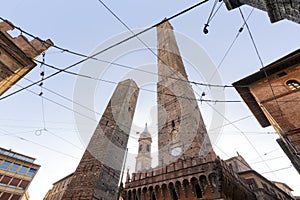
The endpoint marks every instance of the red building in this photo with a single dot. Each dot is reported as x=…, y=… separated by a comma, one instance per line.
x=273, y=95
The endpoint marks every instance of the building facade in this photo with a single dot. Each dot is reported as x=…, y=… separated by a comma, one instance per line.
x=188, y=167
x=16, y=55
x=144, y=159
x=277, y=10
x=98, y=173
x=26, y=196
x=263, y=188
x=273, y=96
x=58, y=188
x=16, y=173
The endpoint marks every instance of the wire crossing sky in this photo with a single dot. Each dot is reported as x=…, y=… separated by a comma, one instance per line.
x=51, y=134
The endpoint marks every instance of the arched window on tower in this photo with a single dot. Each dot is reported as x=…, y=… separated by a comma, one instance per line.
x=174, y=195
x=140, y=148
x=293, y=84
x=198, y=191
x=148, y=148
x=153, y=197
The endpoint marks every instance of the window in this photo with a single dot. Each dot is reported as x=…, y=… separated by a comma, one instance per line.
x=148, y=148
x=14, y=168
x=23, y=170
x=152, y=196
x=198, y=191
x=31, y=172
x=6, y=179
x=24, y=184
x=5, y=195
x=140, y=148
x=293, y=84
x=251, y=183
x=175, y=197
x=173, y=123
x=5, y=165
x=15, y=197
x=15, y=182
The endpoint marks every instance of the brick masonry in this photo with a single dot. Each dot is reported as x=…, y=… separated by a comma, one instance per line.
x=192, y=172
x=277, y=10
x=268, y=93
x=182, y=133
x=98, y=172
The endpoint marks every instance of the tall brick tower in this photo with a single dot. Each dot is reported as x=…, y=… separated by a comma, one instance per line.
x=188, y=167
x=98, y=172
x=182, y=133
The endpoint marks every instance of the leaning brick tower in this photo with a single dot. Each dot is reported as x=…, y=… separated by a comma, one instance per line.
x=98, y=173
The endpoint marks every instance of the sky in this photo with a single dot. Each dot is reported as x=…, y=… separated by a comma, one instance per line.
x=55, y=129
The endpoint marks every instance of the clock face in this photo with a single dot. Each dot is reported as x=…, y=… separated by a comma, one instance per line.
x=176, y=151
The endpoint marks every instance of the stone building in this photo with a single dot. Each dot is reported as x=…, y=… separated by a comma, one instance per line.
x=273, y=95
x=16, y=55
x=277, y=10
x=26, y=196
x=98, y=173
x=188, y=167
x=16, y=173
x=263, y=188
x=59, y=188
x=144, y=159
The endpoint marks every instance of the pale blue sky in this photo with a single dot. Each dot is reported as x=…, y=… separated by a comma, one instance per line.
x=82, y=26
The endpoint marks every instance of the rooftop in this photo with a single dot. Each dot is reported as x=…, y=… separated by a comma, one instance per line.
x=16, y=155
x=145, y=134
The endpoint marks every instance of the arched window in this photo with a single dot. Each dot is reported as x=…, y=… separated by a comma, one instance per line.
x=148, y=148
x=293, y=84
x=174, y=194
x=153, y=197
x=198, y=191
x=141, y=147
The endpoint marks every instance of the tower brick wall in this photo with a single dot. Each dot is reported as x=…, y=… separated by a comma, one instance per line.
x=188, y=167
x=98, y=172
x=182, y=132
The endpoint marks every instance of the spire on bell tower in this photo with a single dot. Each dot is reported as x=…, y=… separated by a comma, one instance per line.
x=143, y=159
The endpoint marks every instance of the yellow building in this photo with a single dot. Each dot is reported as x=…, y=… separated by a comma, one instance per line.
x=17, y=54
x=26, y=196
x=59, y=188
x=263, y=188
x=16, y=173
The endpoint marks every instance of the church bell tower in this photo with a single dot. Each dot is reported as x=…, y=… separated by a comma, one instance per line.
x=143, y=159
